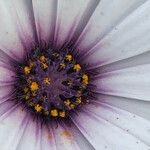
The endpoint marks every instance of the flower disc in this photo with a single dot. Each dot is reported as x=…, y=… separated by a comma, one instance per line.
x=51, y=84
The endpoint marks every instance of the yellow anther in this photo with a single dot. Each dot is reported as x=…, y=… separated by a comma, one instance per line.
x=31, y=64
x=54, y=112
x=42, y=58
x=62, y=114
x=31, y=104
x=27, y=96
x=34, y=86
x=77, y=67
x=27, y=70
x=25, y=90
x=47, y=80
x=68, y=57
x=62, y=65
x=85, y=79
x=33, y=93
x=45, y=66
x=67, y=102
x=72, y=106
x=38, y=108
x=78, y=100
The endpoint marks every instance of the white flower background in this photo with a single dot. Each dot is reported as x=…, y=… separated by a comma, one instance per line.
x=112, y=35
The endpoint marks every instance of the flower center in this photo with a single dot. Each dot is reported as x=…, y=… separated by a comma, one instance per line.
x=51, y=83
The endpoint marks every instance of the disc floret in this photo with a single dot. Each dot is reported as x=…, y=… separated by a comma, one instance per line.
x=51, y=83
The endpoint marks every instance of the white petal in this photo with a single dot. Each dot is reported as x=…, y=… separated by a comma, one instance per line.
x=128, y=39
x=132, y=82
x=126, y=63
x=22, y=13
x=108, y=128
x=16, y=32
x=140, y=108
x=72, y=17
x=133, y=124
x=31, y=139
x=5, y=92
x=106, y=16
x=6, y=76
x=63, y=137
x=12, y=125
x=45, y=18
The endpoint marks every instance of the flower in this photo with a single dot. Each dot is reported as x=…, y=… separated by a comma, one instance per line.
x=104, y=44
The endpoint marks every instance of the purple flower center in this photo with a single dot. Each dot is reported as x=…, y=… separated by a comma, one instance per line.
x=51, y=84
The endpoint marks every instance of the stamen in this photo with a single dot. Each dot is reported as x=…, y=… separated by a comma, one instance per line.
x=27, y=96
x=34, y=86
x=44, y=65
x=54, y=113
x=27, y=70
x=38, y=108
x=78, y=100
x=77, y=67
x=85, y=79
x=69, y=57
x=52, y=84
x=42, y=58
x=72, y=106
x=62, y=66
x=67, y=102
x=31, y=64
x=62, y=114
x=47, y=80
x=26, y=90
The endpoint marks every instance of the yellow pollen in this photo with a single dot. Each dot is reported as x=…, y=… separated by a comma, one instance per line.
x=85, y=79
x=62, y=65
x=27, y=70
x=42, y=58
x=34, y=86
x=45, y=66
x=66, y=134
x=50, y=136
x=67, y=102
x=72, y=106
x=62, y=114
x=78, y=100
x=47, y=80
x=69, y=57
x=38, y=108
x=54, y=113
x=77, y=67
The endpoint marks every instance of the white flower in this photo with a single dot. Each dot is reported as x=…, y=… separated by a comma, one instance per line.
x=111, y=37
